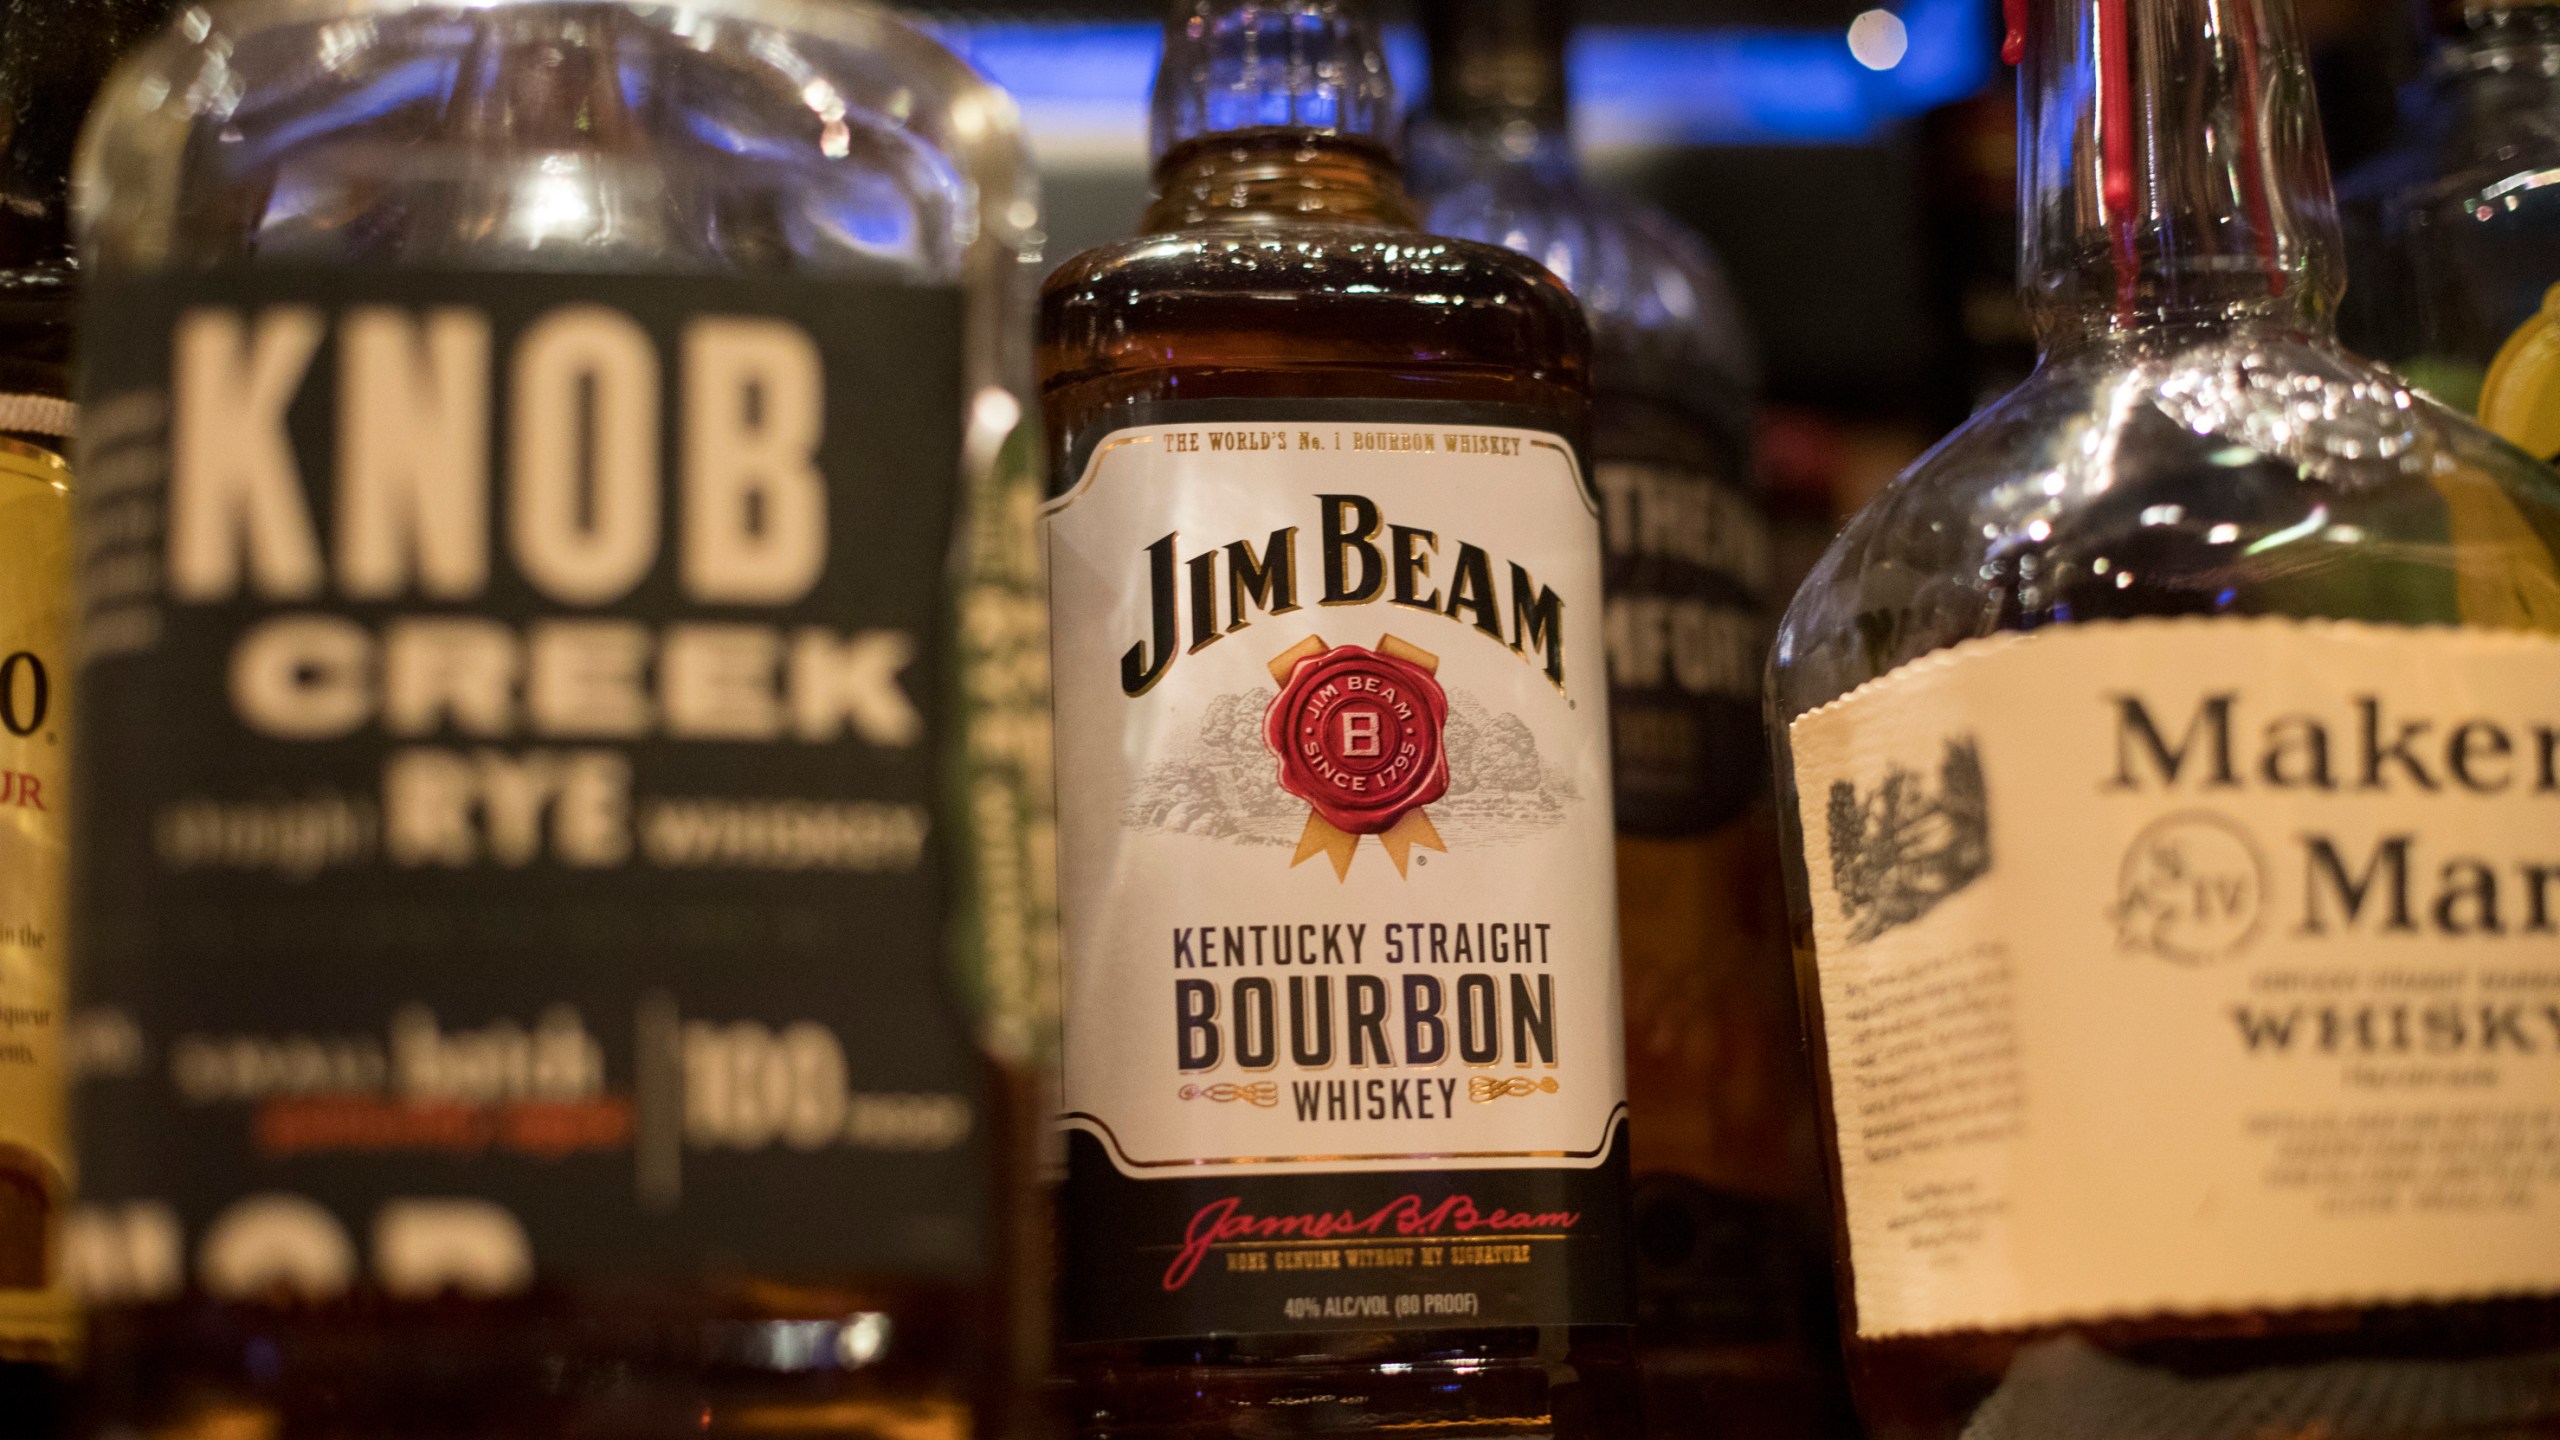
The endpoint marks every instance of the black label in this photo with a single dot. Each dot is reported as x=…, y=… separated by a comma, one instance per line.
x=1688, y=559
x=1423, y=1249
x=512, y=777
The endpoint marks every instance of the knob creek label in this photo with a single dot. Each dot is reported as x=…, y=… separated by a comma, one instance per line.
x=518, y=732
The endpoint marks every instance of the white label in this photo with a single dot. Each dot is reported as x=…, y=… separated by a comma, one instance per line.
x=1334, y=800
x=2192, y=965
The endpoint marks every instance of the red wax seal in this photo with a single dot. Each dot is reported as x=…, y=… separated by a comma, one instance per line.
x=1359, y=737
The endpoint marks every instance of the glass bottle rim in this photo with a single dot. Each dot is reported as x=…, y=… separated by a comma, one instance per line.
x=987, y=132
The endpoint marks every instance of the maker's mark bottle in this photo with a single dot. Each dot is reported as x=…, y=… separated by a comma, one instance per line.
x=1344, y=1098
x=563, y=744
x=2175, y=760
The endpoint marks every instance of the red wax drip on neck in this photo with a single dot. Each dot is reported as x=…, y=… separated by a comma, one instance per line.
x=2013, y=46
x=2115, y=164
x=2253, y=174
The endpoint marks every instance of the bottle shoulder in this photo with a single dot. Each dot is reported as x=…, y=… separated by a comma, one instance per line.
x=2242, y=473
x=737, y=135
x=1351, y=264
x=1635, y=266
x=1398, y=306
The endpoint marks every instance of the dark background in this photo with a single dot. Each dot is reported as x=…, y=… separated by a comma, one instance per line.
x=1874, y=269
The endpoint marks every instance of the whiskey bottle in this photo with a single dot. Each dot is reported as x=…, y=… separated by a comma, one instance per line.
x=1733, y=1320
x=562, y=751
x=2451, y=235
x=1344, y=1105
x=52, y=58
x=2171, y=757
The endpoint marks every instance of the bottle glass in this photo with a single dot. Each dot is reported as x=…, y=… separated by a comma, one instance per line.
x=2450, y=233
x=1732, y=1272
x=2085, y=738
x=1280, y=285
x=557, y=331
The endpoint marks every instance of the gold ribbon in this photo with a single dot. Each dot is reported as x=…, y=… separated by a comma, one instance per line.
x=1322, y=836
x=1482, y=1088
x=1263, y=1093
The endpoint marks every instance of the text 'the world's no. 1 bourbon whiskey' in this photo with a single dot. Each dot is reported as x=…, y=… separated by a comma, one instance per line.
x=1343, y=1092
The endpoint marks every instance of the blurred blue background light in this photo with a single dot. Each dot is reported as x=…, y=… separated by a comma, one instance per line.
x=1084, y=86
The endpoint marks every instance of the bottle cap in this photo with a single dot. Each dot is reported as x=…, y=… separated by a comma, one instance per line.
x=1314, y=66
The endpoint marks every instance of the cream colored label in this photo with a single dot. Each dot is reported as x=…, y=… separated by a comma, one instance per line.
x=2192, y=965
x=35, y=583
x=1334, y=800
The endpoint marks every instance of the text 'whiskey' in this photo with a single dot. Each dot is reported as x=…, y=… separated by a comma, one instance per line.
x=563, y=750
x=1344, y=1104
x=2174, y=760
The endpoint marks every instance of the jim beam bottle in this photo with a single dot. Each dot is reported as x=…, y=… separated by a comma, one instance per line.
x=1733, y=1318
x=2174, y=757
x=561, y=695
x=1343, y=1093
x=52, y=57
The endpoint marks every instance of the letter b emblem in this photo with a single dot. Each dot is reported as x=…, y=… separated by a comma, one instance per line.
x=1360, y=734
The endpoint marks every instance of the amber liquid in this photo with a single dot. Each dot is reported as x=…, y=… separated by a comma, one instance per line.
x=596, y=1358
x=1735, y=1314
x=1282, y=268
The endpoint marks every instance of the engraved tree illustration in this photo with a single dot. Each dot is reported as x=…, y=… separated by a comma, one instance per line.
x=1899, y=850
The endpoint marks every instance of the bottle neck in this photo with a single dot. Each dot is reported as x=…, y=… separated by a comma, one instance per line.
x=2171, y=169
x=1235, y=68
x=1498, y=77
x=540, y=92
x=1279, y=177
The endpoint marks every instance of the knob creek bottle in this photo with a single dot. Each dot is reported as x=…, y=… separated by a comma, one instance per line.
x=561, y=879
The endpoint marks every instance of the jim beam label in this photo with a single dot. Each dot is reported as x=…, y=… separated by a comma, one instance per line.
x=517, y=720
x=36, y=1318
x=2191, y=965
x=1342, y=1045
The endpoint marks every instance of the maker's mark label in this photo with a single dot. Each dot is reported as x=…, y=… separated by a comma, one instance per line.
x=2192, y=965
x=1343, y=1042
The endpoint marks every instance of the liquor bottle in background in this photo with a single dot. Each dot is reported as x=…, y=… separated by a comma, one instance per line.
x=52, y=58
x=1343, y=1081
x=1732, y=1305
x=562, y=747
x=1969, y=149
x=2171, y=758
x=2454, y=239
